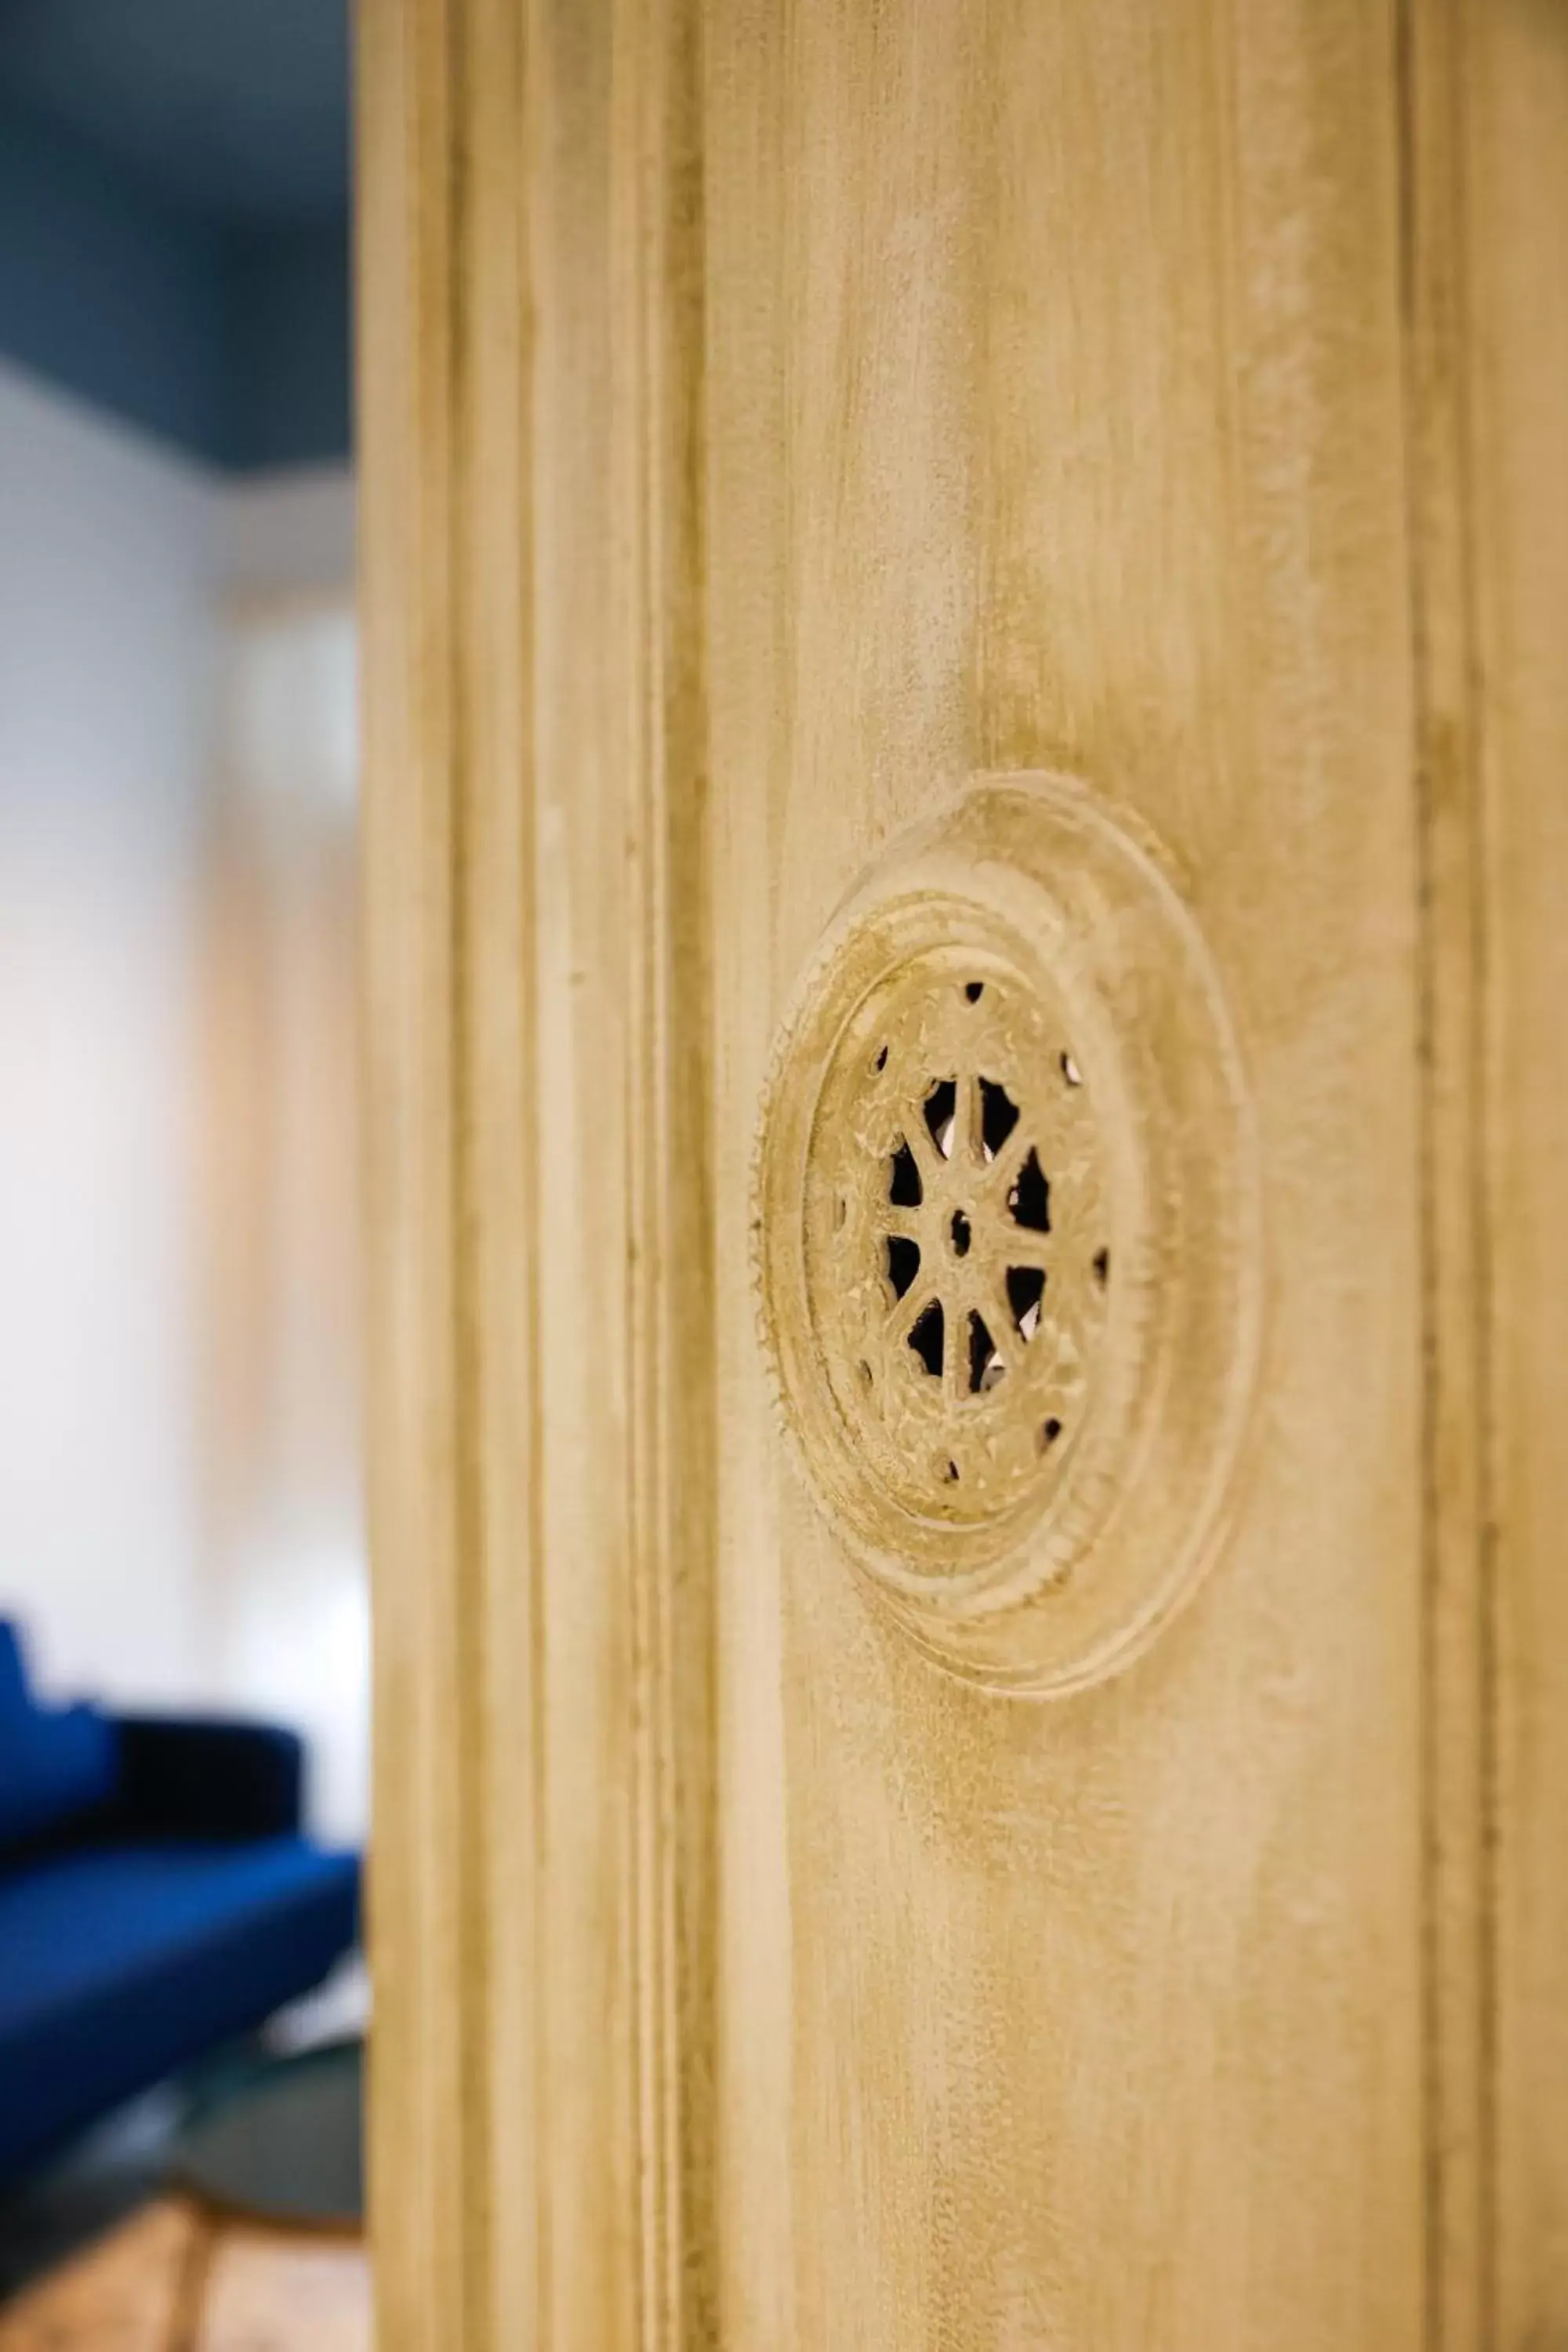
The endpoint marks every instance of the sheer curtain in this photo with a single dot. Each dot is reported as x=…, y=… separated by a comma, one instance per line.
x=288, y=1602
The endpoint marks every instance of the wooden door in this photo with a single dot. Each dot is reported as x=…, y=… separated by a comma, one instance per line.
x=963, y=994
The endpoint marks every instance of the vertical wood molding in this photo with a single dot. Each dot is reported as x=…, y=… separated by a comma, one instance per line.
x=495, y=1015
x=1485, y=111
x=427, y=2153
x=539, y=1204
x=1459, y=1675
x=1507, y=63
x=656, y=276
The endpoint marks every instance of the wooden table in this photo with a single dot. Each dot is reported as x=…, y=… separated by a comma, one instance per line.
x=176, y=2279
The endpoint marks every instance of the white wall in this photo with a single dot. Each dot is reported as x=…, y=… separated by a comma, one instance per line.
x=141, y=606
x=108, y=641
x=290, y=535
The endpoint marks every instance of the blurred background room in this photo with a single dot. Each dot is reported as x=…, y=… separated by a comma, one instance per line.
x=181, y=1537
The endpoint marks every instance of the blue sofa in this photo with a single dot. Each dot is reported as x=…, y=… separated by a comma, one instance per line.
x=156, y=1898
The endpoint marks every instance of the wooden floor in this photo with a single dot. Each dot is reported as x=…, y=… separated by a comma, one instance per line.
x=170, y=2279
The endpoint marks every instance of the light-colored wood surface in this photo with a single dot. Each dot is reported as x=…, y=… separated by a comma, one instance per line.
x=171, y=2281
x=540, y=1397
x=1511, y=85
x=1072, y=340
x=432, y=1926
x=1458, y=1760
x=267, y=2292
x=128, y=2294
x=775, y=414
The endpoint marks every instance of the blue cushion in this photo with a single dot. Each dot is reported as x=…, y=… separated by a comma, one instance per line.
x=56, y=1763
x=119, y=1965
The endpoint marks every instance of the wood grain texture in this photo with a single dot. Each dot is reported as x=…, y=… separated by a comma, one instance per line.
x=267, y=2292
x=536, y=1011
x=1459, y=1747
x=1509, y=89
x=1073, y=341
x=1487, y=108
x=428, y=2125
x=775, y=412
x=130, y=2292
x=174, y=2279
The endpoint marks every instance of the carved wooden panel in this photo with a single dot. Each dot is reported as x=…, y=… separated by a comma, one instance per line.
x=963, y=748
x=1006, y=1220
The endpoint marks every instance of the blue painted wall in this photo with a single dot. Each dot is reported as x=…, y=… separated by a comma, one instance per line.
x=221, y=328
x=108, y=293
x=287, y=353
x=235, y=108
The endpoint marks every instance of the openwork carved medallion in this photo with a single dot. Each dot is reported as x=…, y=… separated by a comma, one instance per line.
x=1007, y=1236
x=957, y=1224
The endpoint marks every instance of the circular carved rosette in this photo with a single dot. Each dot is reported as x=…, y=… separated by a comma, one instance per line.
x=1007, y=1250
